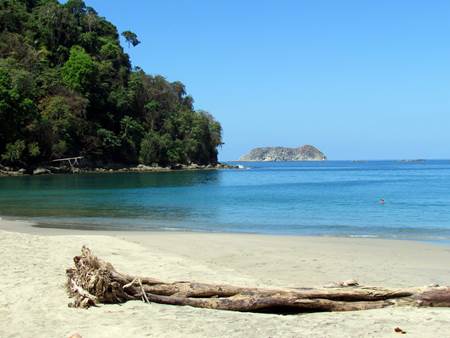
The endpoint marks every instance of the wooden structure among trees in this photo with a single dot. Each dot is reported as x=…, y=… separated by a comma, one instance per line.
x=94, y=281
x=72, y=161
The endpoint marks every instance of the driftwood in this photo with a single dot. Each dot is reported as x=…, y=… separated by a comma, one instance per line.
x=93, y=281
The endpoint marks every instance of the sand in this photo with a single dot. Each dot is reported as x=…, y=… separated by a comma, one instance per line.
x=33, y=302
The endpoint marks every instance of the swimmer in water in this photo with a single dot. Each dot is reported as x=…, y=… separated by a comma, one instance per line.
x=381, y=200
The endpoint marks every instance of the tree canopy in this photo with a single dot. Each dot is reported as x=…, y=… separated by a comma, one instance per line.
x=67, y=88
x=131, y=38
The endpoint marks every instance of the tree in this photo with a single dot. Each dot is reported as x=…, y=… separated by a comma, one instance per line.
x=77, y=8
x=14, y=152
x=150, y=149
x=79, y=71
x=131, y=133
x=62, y=126
x=131, y=38
x=54, y=27
x=13, y=15
x=91, y=18
x=17, y=108
x=110, y=142
x=67, y=88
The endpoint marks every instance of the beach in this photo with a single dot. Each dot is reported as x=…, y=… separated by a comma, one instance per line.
x=33, y=300
x=224, y=169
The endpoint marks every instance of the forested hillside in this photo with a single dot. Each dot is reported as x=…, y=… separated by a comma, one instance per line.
x=67, y=89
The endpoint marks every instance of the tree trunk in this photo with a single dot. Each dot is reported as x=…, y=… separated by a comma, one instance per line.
x=93, y=281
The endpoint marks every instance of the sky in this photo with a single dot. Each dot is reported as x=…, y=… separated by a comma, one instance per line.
x=358, y=79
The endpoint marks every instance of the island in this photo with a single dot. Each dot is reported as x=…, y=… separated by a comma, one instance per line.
x=304, y=153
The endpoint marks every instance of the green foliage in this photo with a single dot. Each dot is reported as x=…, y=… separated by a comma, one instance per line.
x=17, y=108
x=14, y=152
x=61, y=125
x=131, y=133
x=79, y=71
x=109, y=140
x=13, y=15
x=33, y=149
x=67, y=89
x=54, y=28
x=131, y=38
x=76, y=7
x=150, y=152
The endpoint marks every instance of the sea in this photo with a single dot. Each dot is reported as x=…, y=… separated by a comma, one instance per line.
x=385, y=199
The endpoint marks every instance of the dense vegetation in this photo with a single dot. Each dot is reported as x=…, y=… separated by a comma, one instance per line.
x=67, y=89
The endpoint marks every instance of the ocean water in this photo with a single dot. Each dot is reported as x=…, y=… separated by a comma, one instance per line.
x=329, y=198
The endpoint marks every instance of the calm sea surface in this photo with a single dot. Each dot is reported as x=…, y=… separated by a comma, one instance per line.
x=305, y=198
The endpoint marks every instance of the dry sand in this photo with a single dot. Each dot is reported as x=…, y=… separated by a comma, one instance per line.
x=33, y=302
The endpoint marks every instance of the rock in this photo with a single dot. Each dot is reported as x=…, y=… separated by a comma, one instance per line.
x=153, y=167
x=41, y=171
x=193, y=166
x=303, y=153
x=225, y=166
x=10, y=173
x=143, y=167
x=22, y=171
x=60, y=170
x=399, y=330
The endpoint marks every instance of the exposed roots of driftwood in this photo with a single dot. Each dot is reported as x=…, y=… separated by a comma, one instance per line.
x=93, y=281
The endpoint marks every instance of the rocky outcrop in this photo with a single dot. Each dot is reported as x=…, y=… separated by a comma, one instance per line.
x=41, y=171
x=7, y=171
x=303, y=153
x=142, y=168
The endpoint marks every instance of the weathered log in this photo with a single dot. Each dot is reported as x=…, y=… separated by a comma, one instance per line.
x=93, y=281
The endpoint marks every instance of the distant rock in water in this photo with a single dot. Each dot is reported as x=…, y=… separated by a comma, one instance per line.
x=303, y=153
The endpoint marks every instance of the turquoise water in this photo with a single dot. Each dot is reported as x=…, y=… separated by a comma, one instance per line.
x=305, y=198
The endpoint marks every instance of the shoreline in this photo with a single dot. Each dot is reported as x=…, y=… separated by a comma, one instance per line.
x=21, y=225
x=151, y=239
x=141, y=168
x=34, y=262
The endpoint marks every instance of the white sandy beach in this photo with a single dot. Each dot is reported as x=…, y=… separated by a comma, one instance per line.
x=33, y=301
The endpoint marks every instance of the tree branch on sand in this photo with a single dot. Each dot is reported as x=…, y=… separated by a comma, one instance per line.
x=93, y=281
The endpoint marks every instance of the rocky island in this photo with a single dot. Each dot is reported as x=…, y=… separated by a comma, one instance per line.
x=303, y=153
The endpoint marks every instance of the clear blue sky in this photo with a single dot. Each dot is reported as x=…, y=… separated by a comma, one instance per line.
x=358, y=79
